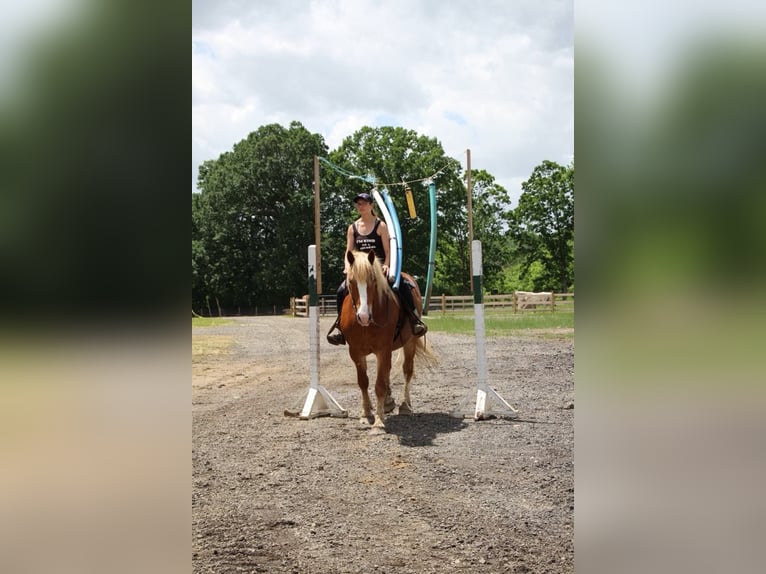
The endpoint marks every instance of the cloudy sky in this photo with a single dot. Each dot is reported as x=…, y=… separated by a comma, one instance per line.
x=495, y=77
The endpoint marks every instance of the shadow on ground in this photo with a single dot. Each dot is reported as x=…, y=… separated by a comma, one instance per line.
x=422, y=428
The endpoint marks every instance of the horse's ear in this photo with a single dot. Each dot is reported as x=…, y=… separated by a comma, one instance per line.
x=371, y=256
x=350, y=257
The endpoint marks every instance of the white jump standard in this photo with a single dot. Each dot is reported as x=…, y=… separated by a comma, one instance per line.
x=489, y=404
x=319, y=402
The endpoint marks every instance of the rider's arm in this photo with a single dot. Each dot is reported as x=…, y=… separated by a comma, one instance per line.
x=383, y=232
x=349, y=247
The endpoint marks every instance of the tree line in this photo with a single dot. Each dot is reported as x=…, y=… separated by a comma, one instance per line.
x=253, y=218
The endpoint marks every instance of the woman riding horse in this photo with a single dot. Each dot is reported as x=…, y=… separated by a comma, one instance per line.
x=369, y=233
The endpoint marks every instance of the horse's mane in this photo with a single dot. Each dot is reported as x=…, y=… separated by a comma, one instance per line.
x=363, y=270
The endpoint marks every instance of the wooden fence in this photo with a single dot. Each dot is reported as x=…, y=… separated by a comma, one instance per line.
x=517, y=302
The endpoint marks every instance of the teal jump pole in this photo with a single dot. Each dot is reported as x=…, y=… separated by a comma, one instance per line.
x=432, y=248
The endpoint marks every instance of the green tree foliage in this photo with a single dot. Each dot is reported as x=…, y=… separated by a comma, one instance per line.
x=200, y=266
x=511, y=279
x=254, y=218
x=491, y=208
x=543, y=225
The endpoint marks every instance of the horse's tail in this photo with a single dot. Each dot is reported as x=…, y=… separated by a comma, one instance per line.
x=424, y=353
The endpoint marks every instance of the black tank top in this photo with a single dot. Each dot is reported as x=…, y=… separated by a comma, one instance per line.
x=370, y=242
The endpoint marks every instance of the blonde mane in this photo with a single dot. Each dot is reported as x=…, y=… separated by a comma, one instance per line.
x=363, y=270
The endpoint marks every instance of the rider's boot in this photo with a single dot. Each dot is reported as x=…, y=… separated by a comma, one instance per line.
x=418, y=327
x=336, y=338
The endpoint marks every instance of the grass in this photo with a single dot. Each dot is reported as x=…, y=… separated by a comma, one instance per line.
x=558, y=324
x=504, y=323
x=210, y=321
x=206, y=346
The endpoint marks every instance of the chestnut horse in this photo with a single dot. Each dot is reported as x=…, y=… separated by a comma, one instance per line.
x=368, y=320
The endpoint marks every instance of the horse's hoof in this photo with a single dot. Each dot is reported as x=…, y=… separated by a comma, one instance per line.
x=377, y=430
x=389, y=405
x=404, y=409
x=366, y=421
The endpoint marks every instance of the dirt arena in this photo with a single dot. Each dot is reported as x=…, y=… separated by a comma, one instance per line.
x=434, y=494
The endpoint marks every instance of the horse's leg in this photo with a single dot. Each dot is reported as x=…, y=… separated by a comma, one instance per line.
x=408, y=369
x=364, y=382
x=382, y=386
x=390, y=403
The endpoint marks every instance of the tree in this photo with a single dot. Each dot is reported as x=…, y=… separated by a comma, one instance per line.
x=543, y=225
x=254, y=219
x=491, y=207
x=200, y=264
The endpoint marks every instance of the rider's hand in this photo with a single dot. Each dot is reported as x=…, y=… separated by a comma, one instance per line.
x=385, y=270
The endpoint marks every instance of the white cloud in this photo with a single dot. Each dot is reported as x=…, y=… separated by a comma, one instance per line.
x=492, y=76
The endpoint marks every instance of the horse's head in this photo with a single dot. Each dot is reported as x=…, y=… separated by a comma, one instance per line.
x=367, y=284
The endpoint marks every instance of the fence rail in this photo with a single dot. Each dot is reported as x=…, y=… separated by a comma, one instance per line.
x=517, y=302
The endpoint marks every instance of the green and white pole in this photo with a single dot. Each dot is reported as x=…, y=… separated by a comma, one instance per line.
x=313, y=320
x=478, y=314
x=319, y=402
x=489, y=404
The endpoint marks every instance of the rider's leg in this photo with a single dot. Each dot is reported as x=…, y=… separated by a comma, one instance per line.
x=405, y=294
x=335, y=337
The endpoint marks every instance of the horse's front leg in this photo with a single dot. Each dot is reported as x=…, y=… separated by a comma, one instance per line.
x=382, y=387
x=364, y=382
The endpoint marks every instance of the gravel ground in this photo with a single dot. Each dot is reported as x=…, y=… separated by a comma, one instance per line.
x=434, y=494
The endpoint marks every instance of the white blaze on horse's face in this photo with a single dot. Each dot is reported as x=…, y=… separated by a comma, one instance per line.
x=363, y=313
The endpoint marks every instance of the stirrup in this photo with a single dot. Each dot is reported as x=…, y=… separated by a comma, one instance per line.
x=336, y=338
x=419, y=328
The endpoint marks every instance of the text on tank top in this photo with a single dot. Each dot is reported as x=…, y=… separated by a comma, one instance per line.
x=370, y=242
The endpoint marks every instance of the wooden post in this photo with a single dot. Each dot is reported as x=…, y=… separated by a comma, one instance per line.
x=444, y=304
x=470, y=212
x=553, y=301
x=317, y=233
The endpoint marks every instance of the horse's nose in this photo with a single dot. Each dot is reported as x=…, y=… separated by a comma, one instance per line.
x=364, y=318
